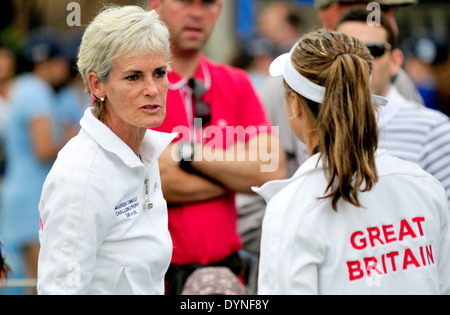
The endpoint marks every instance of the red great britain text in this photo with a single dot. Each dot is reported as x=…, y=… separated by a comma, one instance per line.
x=390, y=261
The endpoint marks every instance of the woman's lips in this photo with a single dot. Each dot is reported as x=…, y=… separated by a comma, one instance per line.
x=150, y=108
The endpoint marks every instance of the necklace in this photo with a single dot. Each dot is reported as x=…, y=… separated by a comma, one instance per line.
x=148, y=204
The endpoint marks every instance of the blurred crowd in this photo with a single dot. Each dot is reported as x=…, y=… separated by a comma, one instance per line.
x=426, y=55
x=41, y=105
x=40, y=110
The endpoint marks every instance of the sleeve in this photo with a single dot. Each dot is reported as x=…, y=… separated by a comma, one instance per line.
x=436, y=152
x=37, y=105
x=74, y=224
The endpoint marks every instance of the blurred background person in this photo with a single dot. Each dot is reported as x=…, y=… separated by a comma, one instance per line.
x=427, y=63
x=7, y=75
x=330, y=11
x=255, y=56
x=32, y=140
x=72, y=97
x=279, y=24
x=407, y=130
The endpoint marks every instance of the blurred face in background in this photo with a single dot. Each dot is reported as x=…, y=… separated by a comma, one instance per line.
x=274, y=25
x=190, y=22
x=7, y=64
x=385, y=66
x=330, y=15
x=59, y=71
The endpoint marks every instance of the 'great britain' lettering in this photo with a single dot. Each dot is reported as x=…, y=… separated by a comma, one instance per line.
x=390, y=261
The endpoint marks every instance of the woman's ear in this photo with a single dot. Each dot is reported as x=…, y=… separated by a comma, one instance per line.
x=293, y=104
x=96, y=86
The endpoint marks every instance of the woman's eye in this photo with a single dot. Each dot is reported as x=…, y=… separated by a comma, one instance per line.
x=132, y=77
x=160, y=74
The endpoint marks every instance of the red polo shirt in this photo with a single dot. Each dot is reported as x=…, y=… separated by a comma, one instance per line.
x=206, y=232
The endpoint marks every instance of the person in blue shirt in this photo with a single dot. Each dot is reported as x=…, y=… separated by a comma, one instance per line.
x=33, y=137
x=72, y=98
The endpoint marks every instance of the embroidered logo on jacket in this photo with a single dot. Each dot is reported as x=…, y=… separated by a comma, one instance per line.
x=127, y=208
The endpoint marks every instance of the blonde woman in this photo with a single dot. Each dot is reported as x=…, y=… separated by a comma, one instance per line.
x=352, y=220
x=104, y=226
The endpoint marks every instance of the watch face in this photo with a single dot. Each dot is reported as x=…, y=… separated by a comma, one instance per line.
x=186, y=151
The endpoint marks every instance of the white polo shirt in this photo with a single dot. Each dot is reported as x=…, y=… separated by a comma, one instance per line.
x=417, y=134
x=96, y=237
x=399, y=243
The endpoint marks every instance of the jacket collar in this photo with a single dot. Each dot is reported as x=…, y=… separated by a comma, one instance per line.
x=270, y=189
x=314, y=163
x=386, y=113
x=177, y=82
x=153, y=144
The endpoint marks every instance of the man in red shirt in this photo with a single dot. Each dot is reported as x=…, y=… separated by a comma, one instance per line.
x=223, y=124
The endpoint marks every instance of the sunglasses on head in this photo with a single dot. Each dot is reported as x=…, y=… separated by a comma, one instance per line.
x=378, y=49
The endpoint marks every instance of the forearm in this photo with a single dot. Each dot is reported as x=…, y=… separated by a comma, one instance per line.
x=181, y=187
x=244, y=165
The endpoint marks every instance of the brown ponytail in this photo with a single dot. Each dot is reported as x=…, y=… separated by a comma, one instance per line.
x=346, y=124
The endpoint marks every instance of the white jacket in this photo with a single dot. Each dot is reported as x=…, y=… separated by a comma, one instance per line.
x=399, y=243
x=96, y=237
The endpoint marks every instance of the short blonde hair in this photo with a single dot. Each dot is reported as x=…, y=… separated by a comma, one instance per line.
x=118, y=31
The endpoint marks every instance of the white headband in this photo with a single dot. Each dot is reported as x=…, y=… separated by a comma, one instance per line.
x=282, y=66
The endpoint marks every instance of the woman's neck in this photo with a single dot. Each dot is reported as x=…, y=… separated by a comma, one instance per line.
x=131, y=135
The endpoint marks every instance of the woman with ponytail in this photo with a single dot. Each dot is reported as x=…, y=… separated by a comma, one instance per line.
x=352, y=219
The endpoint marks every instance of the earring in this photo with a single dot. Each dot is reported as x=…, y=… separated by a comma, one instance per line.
x=102, y=99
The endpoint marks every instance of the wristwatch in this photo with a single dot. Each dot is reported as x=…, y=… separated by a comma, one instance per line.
x=186, y=155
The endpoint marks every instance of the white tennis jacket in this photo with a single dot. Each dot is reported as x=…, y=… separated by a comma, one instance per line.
x=399, y=243
x=96, y=237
